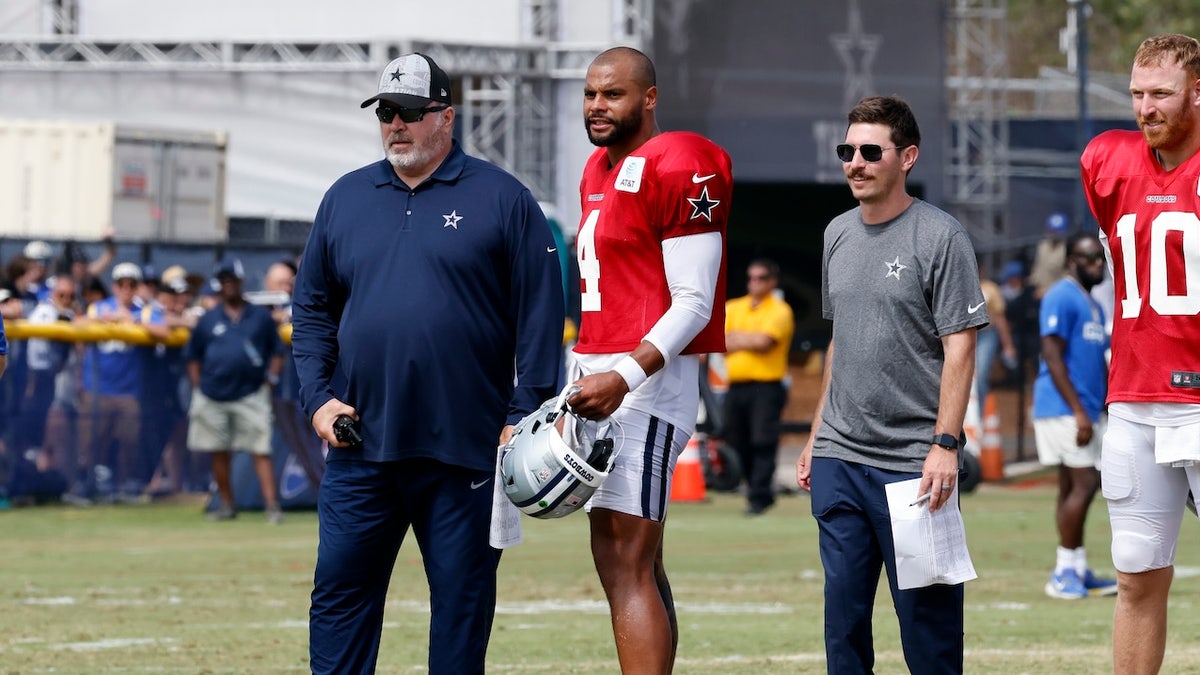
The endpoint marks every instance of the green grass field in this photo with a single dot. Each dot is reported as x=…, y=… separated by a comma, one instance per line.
x=157, y=589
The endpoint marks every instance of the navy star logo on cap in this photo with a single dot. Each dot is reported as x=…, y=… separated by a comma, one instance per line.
x=703, y=205
x=396, y=74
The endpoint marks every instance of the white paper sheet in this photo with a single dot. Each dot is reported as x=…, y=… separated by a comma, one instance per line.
x=506, y=517
x=931, y=548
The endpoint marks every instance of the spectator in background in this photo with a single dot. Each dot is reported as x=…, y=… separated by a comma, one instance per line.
x=281, y=278
x=758, y=337
x=1021, y=313
x=37, y=253
x=3, y=350
x=993, y=338
x=294, y=429
x=47, y=361
x=1068, y=410
x=233, y=359
x=174, y=297
x=75, y=262
x=20, y=297
x=109, y=409
x=1049, y=262
x=94, y=292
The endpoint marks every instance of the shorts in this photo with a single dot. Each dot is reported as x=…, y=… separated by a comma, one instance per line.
x=640, y=482
x=245, y=424
x=1146, y=500
x=1055, y=438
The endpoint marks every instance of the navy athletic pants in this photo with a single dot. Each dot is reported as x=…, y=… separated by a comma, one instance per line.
x=850, y=505
x=365, y=510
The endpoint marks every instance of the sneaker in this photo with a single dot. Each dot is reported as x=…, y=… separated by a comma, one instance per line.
x=221, y=513
x=274, y=516
x=1099, y=586
x=1066, y=586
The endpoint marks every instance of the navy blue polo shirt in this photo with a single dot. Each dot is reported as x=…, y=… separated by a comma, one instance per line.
x=427, y=304
x=233, y=355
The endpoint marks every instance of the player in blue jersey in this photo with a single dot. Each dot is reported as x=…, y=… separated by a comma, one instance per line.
x=429, y=310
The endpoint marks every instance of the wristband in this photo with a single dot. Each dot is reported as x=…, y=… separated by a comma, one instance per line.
x=631, y=372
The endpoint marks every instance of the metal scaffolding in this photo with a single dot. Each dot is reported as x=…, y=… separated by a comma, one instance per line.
x=977, y=150
x=507, y=113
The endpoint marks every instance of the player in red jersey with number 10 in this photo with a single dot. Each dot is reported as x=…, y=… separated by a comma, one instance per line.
x=1144, y=189
x=651, y=250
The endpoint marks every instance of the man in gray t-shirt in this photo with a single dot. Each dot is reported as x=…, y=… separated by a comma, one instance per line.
x=900, y=284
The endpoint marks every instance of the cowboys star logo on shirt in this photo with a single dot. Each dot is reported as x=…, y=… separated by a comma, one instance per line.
x=452, y=219
x=894, y=268
x=703, y=205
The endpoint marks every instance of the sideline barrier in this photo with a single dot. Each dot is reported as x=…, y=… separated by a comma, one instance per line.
x=98, y=331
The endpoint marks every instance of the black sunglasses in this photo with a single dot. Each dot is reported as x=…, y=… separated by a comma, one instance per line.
x=870, y=151
x=407, y=115
x=1090, y=257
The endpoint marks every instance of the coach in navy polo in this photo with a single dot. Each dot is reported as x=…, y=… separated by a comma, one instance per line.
x=429, y=285
x=233, y=358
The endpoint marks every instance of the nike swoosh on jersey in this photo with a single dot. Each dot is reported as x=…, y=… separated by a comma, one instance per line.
x=971, y=309
x=551, y=249
x=697, y=178
x=476, y=486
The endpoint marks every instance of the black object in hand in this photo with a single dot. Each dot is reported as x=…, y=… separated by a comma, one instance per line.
x=345, y=430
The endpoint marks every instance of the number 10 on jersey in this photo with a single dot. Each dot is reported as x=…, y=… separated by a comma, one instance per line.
x=1161, y=300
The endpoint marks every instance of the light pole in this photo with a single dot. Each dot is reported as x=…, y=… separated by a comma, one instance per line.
x=1078, y=14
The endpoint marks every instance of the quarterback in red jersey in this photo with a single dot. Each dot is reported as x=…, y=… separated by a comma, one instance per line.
x=651, y=251
x=1144, y=189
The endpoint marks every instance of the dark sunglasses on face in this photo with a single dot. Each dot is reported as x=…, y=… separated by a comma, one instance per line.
x=1090, y=257
x=407, y=115
x=870, y=151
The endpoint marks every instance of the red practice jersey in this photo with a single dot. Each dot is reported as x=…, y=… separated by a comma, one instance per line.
x=675, y=184
x=1150, y=227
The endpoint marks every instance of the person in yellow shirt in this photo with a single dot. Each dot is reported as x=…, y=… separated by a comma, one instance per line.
x=758, y=336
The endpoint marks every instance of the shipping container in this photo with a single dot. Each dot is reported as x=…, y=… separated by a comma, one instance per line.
x=70, y=180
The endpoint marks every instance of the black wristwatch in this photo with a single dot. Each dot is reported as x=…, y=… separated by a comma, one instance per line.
x=946, y=441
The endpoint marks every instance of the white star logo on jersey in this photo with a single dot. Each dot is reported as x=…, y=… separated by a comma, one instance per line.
x=452, y=219
x=894, y=268
x=703, y=205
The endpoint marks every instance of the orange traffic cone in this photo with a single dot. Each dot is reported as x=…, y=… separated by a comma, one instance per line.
x=687, y=485
x=991, y=450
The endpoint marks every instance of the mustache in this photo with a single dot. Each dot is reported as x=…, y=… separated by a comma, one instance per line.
x=397, y=137
x=599, y=118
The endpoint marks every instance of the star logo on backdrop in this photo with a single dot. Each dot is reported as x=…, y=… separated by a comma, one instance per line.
x=703, y=205
x=894, y=268
x=396, y=74
x=452, y=219
x=856, y=49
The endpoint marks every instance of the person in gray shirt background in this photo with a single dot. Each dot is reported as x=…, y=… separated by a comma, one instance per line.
x=900, y=284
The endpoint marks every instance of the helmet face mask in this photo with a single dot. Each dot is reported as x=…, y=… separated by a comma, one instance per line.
x=555, y=460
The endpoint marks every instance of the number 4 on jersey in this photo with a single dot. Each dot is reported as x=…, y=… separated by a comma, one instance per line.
x=589, y=264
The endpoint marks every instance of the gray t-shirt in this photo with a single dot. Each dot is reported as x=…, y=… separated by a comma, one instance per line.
x=892, y=291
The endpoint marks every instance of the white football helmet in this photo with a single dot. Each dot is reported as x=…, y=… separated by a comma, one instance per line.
x=555, y=459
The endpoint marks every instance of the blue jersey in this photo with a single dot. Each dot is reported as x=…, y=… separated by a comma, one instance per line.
x=1069, y=312
x=428, y=304
x=233, y=355
x=112, y=367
